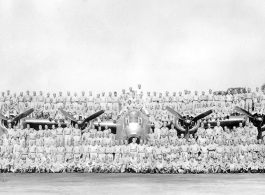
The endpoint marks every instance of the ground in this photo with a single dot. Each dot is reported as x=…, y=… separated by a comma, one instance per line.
x=85, y=183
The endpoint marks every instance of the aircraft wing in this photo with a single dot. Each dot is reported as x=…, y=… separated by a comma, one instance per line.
x=105, y=123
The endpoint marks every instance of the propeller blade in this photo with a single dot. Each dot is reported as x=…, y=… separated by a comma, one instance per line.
x=3, y=117
x=67, y=115
x=23, y=115
x=3, y=130
x=91, y=117
x=200, y=116
x=175, y=113
x=242, y=111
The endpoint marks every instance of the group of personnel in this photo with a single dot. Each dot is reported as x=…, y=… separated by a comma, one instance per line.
x=46, y=106
x=69, y=149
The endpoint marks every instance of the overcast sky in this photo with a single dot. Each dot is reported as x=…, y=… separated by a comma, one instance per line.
x=75, y=45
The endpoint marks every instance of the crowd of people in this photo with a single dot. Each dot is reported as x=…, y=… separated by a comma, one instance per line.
x=210, y=150
x=46, y=106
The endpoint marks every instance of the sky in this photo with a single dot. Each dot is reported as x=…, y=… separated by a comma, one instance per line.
x=110, y=45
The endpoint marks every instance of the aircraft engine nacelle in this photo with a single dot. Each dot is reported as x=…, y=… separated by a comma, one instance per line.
x=135, y=124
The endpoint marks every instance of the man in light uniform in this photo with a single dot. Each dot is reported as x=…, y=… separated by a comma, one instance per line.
x=210, y=98
x=257, y=95
x=263, y=100
x=90, y=100
x=75, y=101
x=34, y=100
x=242, y=99
x=116, y=102
x=249, y=98
x=166, y=99
x=195, y=100
x=59, y=134
x=47, y=101
x=103, y=102
x=68, y=99
x=8, y=98
x=83, y=100
x=139, y=91
x=154, y=100
x=203, y=99
x=229, y=99
x=2, y=100
x=148, y=100
x=174, y=101
x=27, y=98
x=21, y=103
x=133, y=147
x=76, y=133
x=181, y=105
x=54, y=101
x=41, y=100
x=60, y=100
x=67, y=133
x=123, y=98
x=110, y=101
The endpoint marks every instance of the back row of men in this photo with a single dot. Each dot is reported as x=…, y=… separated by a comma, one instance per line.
x=246, y=100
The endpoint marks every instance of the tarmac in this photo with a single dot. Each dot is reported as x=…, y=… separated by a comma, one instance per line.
x=131, y=183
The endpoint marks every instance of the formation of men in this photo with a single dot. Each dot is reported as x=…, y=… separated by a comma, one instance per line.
x=46, y=105
x=209, y=150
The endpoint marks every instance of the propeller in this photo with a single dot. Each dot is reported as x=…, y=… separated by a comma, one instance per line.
x=22, y=115
x=67, y=115
x=242, y=111
x=175, y=113
x=188, y=121
x=3, y=130
x=91, y=117
x=257, y=119
x=81, y=123
x=2, y=117
x=200, y=116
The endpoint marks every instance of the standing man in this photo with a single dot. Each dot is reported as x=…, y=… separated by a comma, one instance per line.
x=103, y=102
x=75, y=101
x=229, y=99
x=2, y=100
x=47, y=101
x=148, y=100
x=257, y=95
x=15, y=102
x=116, y=102
x=154, y=100
x=83, y=100
x=110, y=101
x=181, y=105
x=139, y=91
x=90, y=100
x=34, y=100
x=249, y=98
x=60, y=100
x=67, y=133
x=41, y=99
x=27, y=98
x=21, y=103
x=174, y=101
x=242, y=99
x=8, y=98
x=195, y=100
x=123, y=98
x=203, y=99
x=54, y=101
x=68, y=100
x=210, y=98
x=166, y=99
